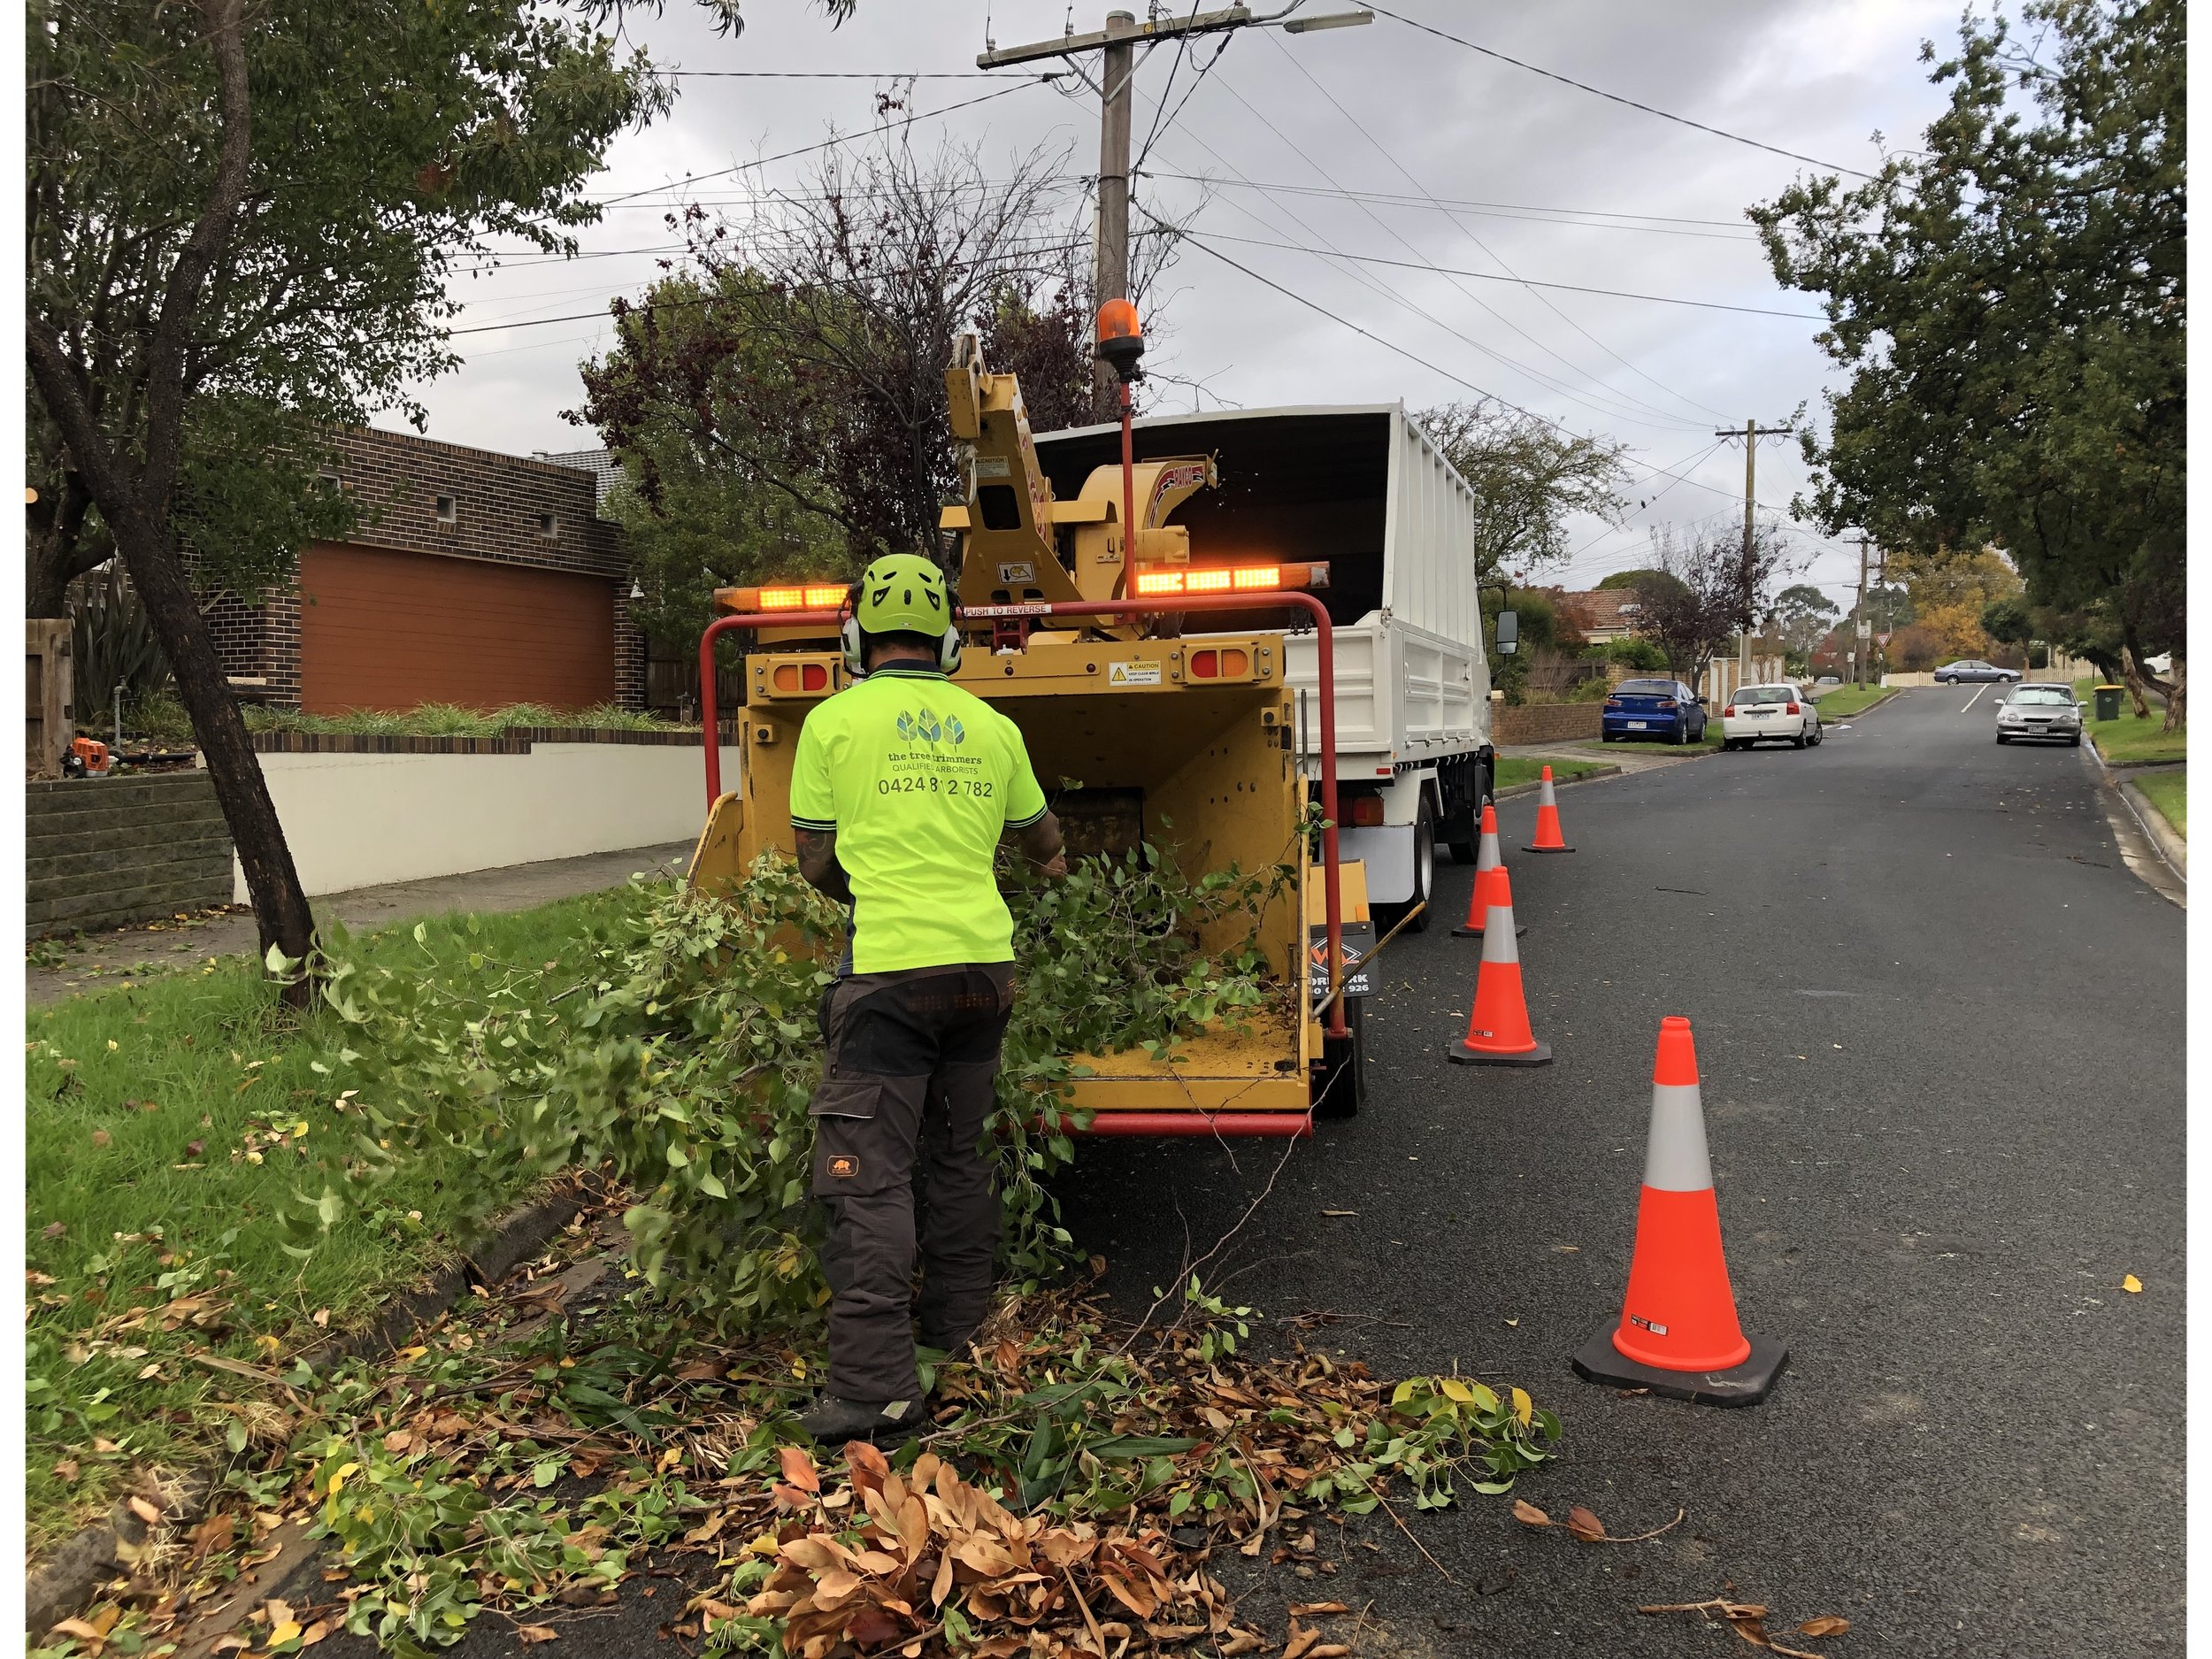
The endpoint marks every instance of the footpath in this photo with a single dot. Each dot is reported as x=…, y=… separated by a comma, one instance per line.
x=63, y=968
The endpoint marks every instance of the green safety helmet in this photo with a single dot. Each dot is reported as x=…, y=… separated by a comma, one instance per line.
x=902, y=592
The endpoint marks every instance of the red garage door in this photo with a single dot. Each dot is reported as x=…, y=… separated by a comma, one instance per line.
x=383, y=630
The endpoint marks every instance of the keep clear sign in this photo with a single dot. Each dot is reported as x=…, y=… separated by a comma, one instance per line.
x=1358, y=941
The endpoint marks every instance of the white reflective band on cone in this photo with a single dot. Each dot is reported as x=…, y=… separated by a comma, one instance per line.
x=1674, y=1160
x=1546, y=798
x=1487, y=858
x=1498, y=945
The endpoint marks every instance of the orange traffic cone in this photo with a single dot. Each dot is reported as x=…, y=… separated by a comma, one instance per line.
x=1497, y=1029
x=1548, y=840
x=1491, y=887
x=1678, y=1332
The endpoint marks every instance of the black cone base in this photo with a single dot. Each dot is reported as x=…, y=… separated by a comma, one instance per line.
x=1548, y=849
x=1464, y=932
x=1598, y=1361
x=1460, y=1054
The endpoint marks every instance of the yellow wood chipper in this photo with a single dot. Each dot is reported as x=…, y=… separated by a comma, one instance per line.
x=1086, y=635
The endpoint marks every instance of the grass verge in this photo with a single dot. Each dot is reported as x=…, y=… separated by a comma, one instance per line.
x=169, y=1126
x=2128, y=742
x=1841, y=701
x=1518, y=769
x=2169, y=792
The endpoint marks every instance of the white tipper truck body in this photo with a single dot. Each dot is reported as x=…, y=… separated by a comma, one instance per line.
x=1364, y=490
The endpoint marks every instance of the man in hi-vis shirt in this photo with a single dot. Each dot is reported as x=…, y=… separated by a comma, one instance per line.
x=901, y=786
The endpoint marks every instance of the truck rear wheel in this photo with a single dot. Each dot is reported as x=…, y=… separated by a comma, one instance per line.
x=1424, y=876
x=1339, y=1086
x=1463, y=831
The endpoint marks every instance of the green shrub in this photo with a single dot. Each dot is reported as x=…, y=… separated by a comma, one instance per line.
x=686, y=1069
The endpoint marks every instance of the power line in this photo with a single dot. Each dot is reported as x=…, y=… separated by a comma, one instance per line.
x=831, y=143
x=1584, y=86
x=1407, y=174
x=1492, y=276
x=1433, y=368
x=1455, y=204
x=1060, y=246
x=1592, y=218
x=1628, y=402
x=832, y=74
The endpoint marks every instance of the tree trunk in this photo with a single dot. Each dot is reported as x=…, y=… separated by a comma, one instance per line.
x=280, y=905
x=2177, y=696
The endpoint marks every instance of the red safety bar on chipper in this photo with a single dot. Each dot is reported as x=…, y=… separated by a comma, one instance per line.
x=1324, y=635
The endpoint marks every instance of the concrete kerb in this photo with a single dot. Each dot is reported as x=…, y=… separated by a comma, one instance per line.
x=2172, y=849
x=1592, y=776
x=2164, y=836
x=66, y=1581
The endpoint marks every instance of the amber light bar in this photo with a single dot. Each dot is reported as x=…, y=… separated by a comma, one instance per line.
x=1225, y=579
x=789, y=596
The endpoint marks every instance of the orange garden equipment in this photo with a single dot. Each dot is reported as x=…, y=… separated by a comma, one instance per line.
x=1491, y=885
x=1497, y=1031
x=1678, y=1333
x=1548, y=840
x=1079, y=616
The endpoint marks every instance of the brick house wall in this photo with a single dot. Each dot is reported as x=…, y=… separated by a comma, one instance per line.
x=1543, y=722
x=501, y=507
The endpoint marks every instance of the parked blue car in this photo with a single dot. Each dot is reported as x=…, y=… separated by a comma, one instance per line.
x=1654, y=708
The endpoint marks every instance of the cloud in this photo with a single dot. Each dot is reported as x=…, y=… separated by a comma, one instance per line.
x=1554, y=184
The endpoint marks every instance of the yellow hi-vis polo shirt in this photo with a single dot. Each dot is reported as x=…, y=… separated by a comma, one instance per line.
x=919, y=778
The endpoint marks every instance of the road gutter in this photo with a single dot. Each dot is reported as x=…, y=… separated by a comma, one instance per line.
x=2147, y=842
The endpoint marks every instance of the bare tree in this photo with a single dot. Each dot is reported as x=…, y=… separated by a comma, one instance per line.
x=1719, y=586
x=800, y=355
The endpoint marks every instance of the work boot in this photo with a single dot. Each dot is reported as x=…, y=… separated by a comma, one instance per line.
x=834, y=1421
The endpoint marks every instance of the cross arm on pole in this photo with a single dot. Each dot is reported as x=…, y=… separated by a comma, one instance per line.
x=1162, y=29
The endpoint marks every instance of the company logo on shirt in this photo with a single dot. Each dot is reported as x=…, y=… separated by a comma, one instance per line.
x=921, y=726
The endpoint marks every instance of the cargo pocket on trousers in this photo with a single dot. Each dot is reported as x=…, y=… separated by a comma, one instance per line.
x=849, y=1141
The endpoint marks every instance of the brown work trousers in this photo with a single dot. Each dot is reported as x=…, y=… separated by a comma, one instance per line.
x=913, y=1060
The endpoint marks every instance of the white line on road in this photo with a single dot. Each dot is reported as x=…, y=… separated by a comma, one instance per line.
x=1976, y=698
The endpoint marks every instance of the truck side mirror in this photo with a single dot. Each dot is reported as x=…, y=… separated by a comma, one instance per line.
x=1509, y=633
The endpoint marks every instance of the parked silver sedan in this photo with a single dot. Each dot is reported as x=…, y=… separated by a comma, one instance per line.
x=2040, y=710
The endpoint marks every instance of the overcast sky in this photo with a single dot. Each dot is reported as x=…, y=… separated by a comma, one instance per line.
x=1564, y=187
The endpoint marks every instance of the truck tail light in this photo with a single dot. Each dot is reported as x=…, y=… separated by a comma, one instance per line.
x=1367, y=809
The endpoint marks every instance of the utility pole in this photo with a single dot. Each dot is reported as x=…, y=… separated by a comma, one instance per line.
x=1117, y=45
x=1859, y=627
x=1751, y=434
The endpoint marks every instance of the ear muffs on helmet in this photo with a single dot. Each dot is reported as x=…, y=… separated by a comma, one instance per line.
x=852, y=639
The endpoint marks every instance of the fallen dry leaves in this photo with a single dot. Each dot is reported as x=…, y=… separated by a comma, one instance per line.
x=1749, y=1619
x=884, y=1562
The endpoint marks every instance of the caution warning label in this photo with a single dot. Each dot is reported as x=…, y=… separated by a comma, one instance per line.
x=1133, y=673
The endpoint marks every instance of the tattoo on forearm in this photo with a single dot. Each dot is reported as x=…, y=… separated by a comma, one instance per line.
x=818, y=863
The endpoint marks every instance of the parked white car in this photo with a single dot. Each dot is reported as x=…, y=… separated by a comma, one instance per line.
x=1776, y=713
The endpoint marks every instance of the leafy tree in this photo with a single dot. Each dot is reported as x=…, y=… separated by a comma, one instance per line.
x=2011, y=304
x=1632, y=579
x=1917, y=648
x=1530, y=480
x=240, y=224
x=1950, y=592
x=1800, y=615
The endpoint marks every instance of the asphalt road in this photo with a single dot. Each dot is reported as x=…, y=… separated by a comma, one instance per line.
x=1941, y=1027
